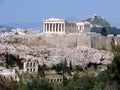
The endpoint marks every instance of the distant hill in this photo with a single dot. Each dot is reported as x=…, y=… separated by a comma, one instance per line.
x=97, y=22
x=5, y=29
x=34, y=26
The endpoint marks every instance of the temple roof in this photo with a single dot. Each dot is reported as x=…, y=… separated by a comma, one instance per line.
x=54, y=19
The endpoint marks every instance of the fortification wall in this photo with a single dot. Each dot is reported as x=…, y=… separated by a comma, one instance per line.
x=83, y=40
x=61, y=41
x=106, y=42
x=117, y=40
x=66, y=41
x=96, y=42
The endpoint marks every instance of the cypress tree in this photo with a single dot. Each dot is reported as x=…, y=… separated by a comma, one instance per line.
x=103, y=31
x=71, y=65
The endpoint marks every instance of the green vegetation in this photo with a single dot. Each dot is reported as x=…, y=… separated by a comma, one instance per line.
x=105, y=80
x=79, y=68
x=103, y=31
x=12, y=61
x=42, y=69
x=39, y=84
x=115, y=48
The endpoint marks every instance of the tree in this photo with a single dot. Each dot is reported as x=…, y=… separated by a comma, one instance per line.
x=10, y=60
x=45, y=68
x=62, y=67
x=79, y=68
x=39, y=84
x=83, y=83
x=65, y=63
x=71, y=66
x=114, y=69
x=103, y=31
x=115, y=48
x=41, y=73
x=76, y=76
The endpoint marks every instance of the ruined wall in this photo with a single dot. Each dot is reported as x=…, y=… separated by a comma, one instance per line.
x=66, y=41
x=106, y=42
x=61, y=40
x=83, y=40
x=70, y=40
x=96, y=42
x=117, y=40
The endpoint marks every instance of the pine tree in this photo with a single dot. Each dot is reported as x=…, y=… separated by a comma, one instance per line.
x=103, y=31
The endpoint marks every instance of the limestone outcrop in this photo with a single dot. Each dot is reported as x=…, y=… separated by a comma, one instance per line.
x=79, y=55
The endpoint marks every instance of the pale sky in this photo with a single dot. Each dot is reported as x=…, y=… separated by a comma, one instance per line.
x=24, y=11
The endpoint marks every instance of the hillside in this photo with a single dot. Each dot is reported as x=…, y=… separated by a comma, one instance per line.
x=97, y=22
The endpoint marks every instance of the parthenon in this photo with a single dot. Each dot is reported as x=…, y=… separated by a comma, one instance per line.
x=55, y=25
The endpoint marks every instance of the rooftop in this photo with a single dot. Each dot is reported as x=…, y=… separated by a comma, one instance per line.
x=54, y=19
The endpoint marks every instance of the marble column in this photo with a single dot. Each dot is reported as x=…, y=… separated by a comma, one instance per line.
x=44, y=27
x=61, y=27
x=64, y=27
x=58, y=27
x=49, y=28
x=55, y=27
x=52, y=27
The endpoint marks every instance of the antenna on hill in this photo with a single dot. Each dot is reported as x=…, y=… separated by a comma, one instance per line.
x=94, y=14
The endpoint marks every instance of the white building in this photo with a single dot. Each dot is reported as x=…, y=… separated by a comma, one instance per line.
x=9, y=73
x=55, y=25
x=18, y=31
x=30, y=66
x=83, y=27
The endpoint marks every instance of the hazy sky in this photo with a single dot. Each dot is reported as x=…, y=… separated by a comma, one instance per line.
x=22, y=11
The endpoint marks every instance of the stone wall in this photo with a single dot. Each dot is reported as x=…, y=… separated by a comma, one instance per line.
x=117, y=40
x=91, y=40
x=83, y=40
x=61, y=41
x=106, y=42
x=96, y=42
